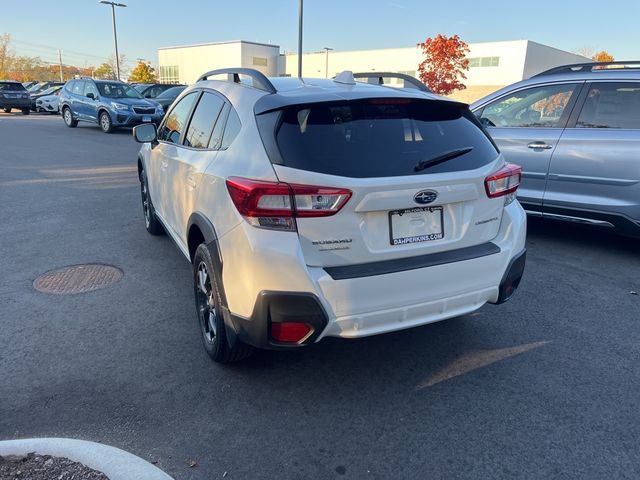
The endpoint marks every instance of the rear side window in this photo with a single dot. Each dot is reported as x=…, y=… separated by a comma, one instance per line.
x=611, y=105
x=203, y=120
x=78, y=87
x=175, y=122
x=382, y=138
x=231, y=130
x=11, y=87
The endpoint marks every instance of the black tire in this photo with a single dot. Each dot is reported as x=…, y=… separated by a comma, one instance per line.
x=207, y=288
x=151, y=221
x=67, y=116
x=7, y=110
x=26, y=111
x=104, y=120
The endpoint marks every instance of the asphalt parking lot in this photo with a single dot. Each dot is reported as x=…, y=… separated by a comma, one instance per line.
x=544, y=386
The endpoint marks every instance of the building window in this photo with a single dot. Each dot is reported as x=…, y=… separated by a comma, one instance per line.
x=169, y=74
x=484, y=62
x=259, y=61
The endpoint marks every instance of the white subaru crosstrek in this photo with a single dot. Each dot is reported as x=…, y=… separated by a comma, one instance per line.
x=329, y=208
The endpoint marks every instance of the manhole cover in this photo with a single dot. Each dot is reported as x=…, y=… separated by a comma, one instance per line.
x=77, y=279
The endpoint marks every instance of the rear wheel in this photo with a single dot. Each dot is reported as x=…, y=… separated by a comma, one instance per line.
x=208, y=308
x=151, y=222
x=105, y=122
x=7, y=110
x=68, y=118
x=26, y=111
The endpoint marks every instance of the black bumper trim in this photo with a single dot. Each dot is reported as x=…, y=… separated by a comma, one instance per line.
x=273, y=307
x=512, y=276
x=411, y=263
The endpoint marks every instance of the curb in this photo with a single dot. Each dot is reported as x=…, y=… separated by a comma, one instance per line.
x=113, y=462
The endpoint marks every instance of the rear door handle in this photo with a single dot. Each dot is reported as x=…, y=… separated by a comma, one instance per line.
x=540, y=145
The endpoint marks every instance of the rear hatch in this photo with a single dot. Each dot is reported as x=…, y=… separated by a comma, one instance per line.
x=409, y=176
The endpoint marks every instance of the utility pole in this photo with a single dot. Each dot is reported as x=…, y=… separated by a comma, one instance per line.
x=60, y=63
x=300, y=38
x=326, y=62
x=115, y=35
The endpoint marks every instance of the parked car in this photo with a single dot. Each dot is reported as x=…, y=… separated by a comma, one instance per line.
x=152, y=90
x=48, y=103
x=167, y=97
x=14, y=95
x=108, y=103
x=44, y=93
x=329, y=208
x=27, y=85
x=575, y=130
x=42, y=86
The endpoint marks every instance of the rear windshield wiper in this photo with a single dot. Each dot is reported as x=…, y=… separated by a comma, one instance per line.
x=441, y=158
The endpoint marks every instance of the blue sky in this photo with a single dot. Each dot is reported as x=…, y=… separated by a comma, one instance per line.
x=82, y=28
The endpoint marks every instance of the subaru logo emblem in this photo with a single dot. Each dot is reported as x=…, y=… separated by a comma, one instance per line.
x=425, y=196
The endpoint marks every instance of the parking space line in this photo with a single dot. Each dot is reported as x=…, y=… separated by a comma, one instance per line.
x=474, y=360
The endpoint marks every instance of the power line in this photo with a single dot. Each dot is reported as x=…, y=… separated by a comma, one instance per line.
x=47, y=47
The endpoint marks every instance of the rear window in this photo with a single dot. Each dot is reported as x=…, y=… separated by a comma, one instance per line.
x=382, y=138
x=11, y=86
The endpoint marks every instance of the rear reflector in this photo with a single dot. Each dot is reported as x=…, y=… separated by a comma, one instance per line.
x=274, y=205
x=504, y=181
x=290, y=332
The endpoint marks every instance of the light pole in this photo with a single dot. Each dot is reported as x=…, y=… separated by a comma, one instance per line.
x=115, y=35
x=300, y=38
x=326, y=61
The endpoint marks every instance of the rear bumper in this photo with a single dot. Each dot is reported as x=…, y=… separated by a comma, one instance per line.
x=356, y=305
x=15, y=103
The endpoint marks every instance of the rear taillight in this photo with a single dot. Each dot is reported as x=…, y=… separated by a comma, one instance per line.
x=275, y=205
x=503, y=182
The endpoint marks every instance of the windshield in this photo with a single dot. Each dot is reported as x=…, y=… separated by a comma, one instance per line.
x=35, y=87
x=140, y=86
x=51, y=90
x=173, y=92
x=11, y=86
x=117, y=90
x=382, y=138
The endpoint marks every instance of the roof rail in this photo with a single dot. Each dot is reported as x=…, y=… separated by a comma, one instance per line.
x=377, y=78
x=592, y=66
x=260, y=81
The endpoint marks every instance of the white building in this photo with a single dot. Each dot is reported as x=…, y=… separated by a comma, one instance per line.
x=492, y=64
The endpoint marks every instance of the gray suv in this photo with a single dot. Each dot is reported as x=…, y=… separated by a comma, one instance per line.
x=575, y=130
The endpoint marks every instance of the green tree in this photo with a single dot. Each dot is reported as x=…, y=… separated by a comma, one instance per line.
x=143, y=73
x=104, y=71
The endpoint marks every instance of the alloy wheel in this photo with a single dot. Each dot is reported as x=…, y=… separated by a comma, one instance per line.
x=205, y=303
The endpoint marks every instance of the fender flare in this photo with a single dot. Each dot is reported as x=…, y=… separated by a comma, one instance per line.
x=211, y=241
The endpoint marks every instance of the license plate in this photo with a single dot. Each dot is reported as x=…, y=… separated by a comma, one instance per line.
x=146, y=119
x=415, y=225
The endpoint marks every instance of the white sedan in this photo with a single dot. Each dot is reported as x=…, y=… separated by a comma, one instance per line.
x=48, y=103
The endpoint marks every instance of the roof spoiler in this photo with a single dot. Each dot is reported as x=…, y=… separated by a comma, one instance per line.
x=377, y=78
x=260, y=81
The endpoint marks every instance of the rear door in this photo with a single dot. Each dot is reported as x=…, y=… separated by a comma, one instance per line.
x=526, y=125
x=198, y=150
x=375, y=148
x=78, y=106
x=596, y=166
x=91, y=104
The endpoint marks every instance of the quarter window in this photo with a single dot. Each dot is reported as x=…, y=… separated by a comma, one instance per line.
x=541, y=107
x=173, y=126
x=203, y=120
x=231, y=130
x=611, y=105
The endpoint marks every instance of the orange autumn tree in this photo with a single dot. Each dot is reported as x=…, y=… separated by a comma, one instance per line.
x=444, y=63
x=603, y=56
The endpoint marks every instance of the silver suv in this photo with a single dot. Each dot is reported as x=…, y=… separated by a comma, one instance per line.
x=575, y=130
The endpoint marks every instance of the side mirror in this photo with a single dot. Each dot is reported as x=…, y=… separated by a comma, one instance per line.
x=91, y=96
x=145, y=133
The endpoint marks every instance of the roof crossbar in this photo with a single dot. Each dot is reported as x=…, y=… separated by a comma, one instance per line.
x=591, y=67
x=259, y=79
x=377, y=78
